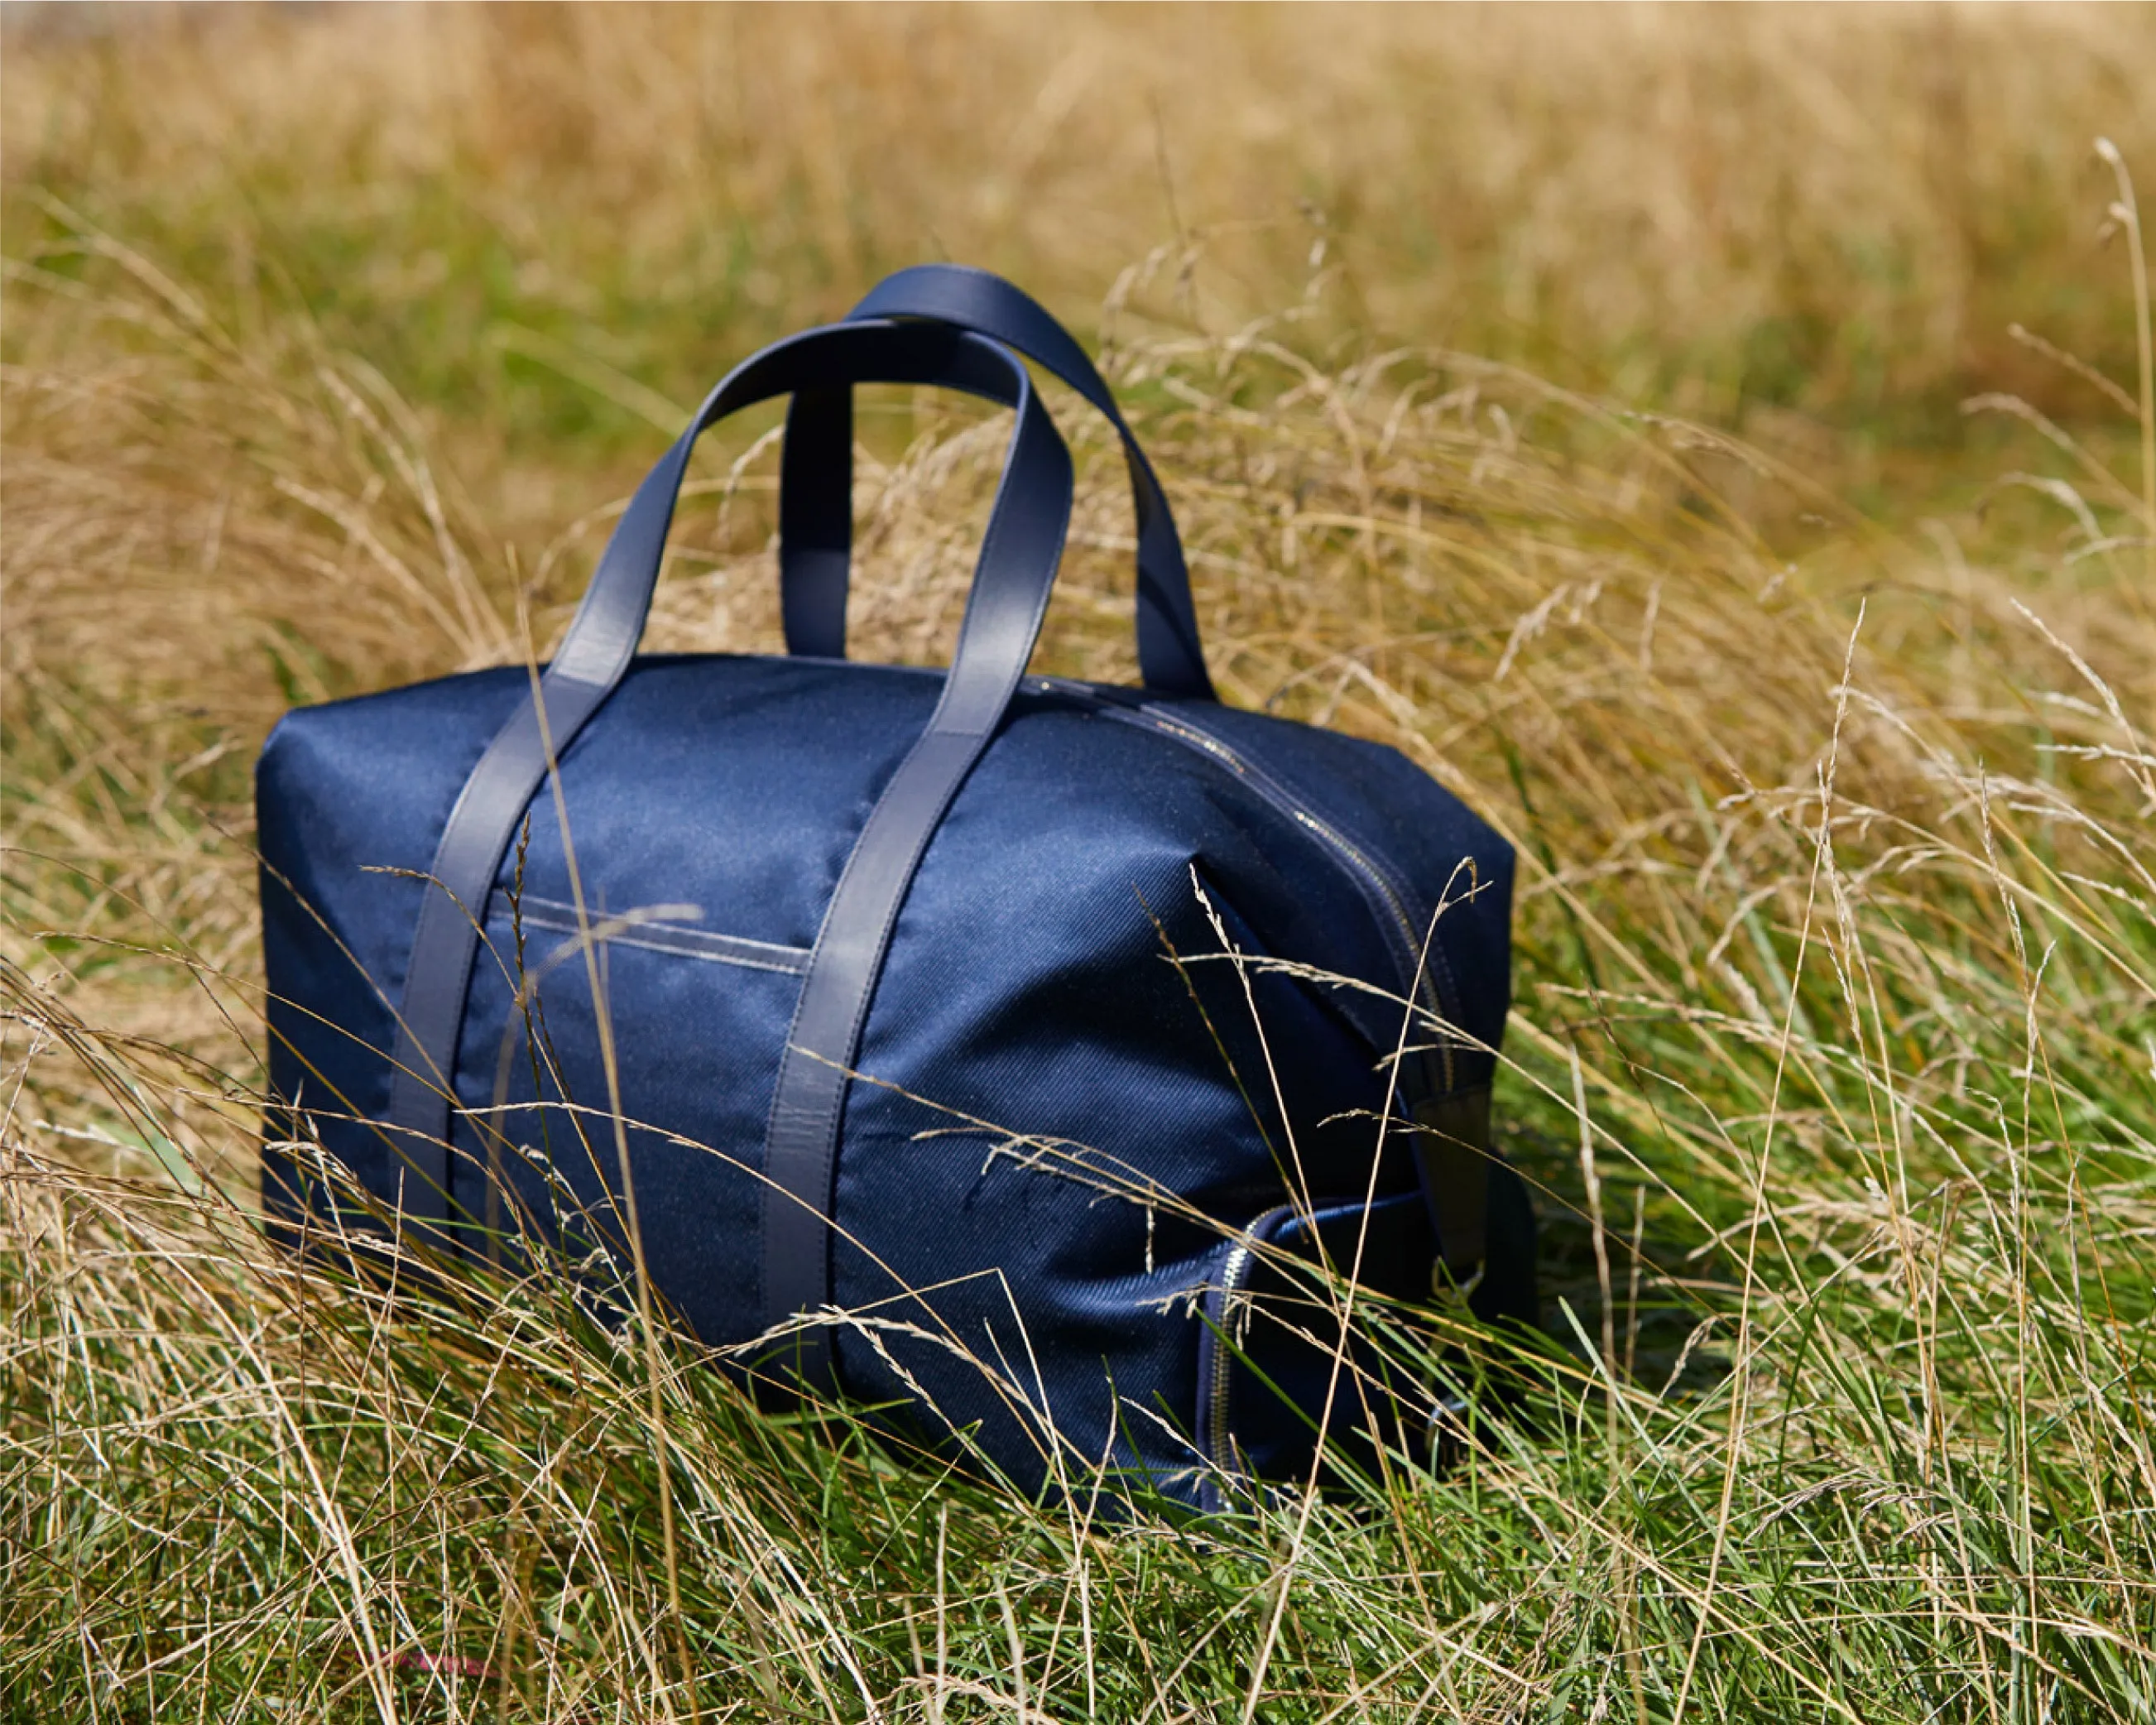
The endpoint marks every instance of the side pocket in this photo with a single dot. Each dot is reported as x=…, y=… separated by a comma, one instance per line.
x=1222, y=1313
x=1264, y=1369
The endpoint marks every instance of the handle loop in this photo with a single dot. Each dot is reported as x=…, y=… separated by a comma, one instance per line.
x=815, y=526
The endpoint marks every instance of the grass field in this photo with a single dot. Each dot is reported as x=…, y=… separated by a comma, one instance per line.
x=1717, y=445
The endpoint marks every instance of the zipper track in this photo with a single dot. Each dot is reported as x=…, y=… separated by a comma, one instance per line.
x=1420, y=981
x=1219, y=1364
x=1232, y=1271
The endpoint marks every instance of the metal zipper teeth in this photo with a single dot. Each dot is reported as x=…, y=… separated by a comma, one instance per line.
x=1231, y=1277
x=1235, y=1271
x=1234, y=1268
x=1420, y=977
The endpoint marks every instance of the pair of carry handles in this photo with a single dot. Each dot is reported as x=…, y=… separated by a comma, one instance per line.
x=933, y=325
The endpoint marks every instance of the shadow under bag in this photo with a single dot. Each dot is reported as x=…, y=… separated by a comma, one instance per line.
x=960, y=1033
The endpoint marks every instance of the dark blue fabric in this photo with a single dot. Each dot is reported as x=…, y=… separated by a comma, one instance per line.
x=1002, y=615
x=1029, y=989
x=350, y=798
x=1072, y=1108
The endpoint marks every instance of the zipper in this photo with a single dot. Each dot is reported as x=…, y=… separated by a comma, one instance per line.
x=1215, y=1364
x=1233, y=1271
x=1379, y=883
x=1225, y=1314
x=1424, y=982
x=660, y=934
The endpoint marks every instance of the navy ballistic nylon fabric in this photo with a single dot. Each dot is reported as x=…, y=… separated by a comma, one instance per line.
x=1076, y=1115
x=1029, y=990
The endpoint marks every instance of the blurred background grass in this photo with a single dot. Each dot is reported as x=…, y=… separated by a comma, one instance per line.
x=1709, y=440
x=1813, y=227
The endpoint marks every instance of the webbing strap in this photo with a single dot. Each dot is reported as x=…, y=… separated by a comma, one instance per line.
x=1452, y=1159
x=1003, y=620
x=601, y=639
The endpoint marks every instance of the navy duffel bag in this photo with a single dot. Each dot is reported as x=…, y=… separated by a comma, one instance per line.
x=988, y=1045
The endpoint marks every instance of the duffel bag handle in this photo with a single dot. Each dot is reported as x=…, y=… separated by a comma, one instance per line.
x=1017, y=568
x=815, y=519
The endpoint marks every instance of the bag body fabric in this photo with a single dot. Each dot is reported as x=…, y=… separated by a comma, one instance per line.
x=976, y=1043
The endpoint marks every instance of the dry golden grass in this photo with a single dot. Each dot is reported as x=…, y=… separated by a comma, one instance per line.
x=1804, y=208
x=1574, y=399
